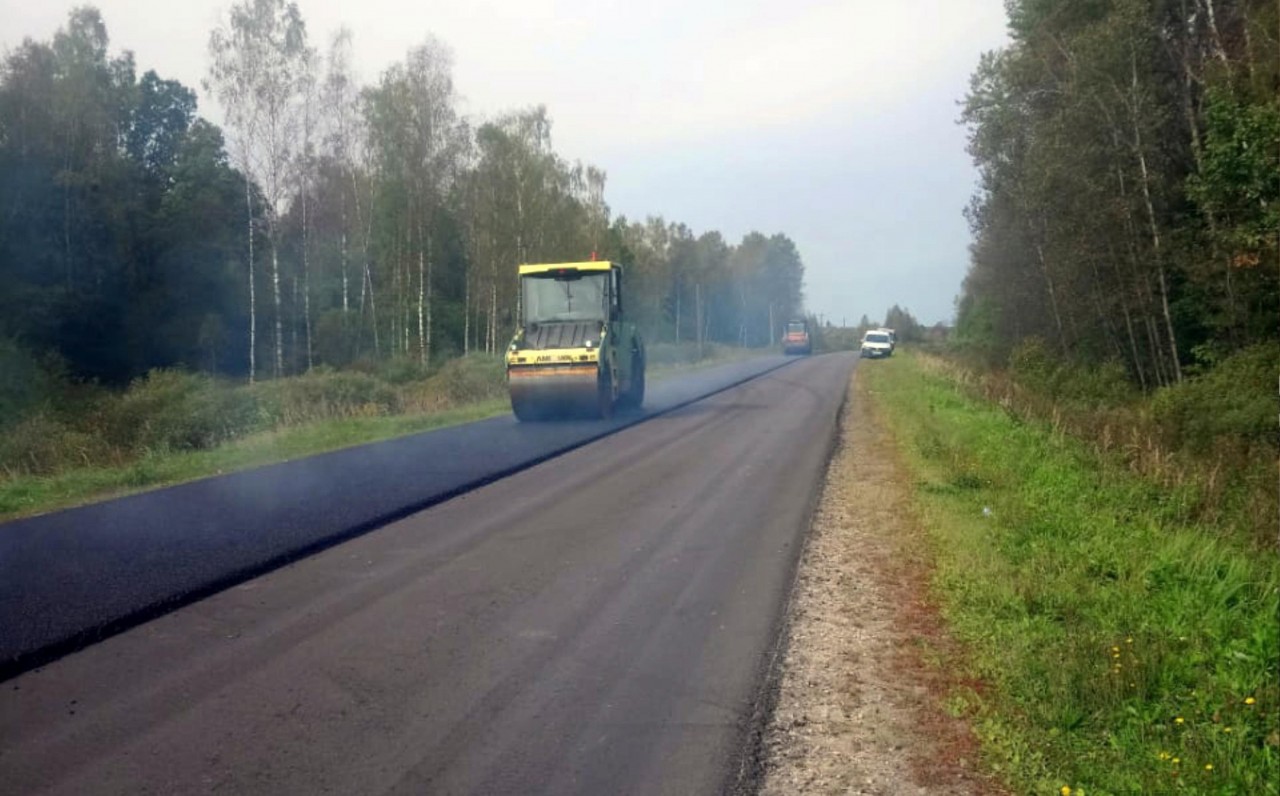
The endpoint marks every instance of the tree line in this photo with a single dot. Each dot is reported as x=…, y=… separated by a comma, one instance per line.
x=1129, y=206
x=330, y=223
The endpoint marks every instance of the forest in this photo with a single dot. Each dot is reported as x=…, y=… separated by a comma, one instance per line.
x=329, y=222
x=1129, y=202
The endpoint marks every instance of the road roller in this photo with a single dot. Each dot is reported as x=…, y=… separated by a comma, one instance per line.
x=574, y=353
x=796, y=339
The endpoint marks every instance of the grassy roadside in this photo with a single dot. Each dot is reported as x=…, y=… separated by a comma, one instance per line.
x=24, y=494
x=1125, y=649
x=27, y=495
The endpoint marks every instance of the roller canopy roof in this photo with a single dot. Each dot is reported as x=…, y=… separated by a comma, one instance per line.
x=544, y=268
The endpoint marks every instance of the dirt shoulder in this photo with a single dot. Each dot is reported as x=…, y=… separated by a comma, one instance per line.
x=863, y=677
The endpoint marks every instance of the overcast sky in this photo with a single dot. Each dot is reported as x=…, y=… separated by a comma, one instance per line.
x=832, y=122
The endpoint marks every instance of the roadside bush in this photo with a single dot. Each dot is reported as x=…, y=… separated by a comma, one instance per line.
x=1088, y=384
x=1032, y=364
x=173, y=410
x=401, y=370
x=466, y=379
x=1235, y=399
x=40, y=445
x=322, y=395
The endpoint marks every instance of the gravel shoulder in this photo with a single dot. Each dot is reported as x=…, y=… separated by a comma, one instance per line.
x=865, y=669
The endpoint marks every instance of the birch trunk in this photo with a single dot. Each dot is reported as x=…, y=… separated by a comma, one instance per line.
x=1215, y=37
x=493, y=317
x=422, y=300
x=1053, y=296
x=1197, y=152
x=306, y=281
x=1157, y=254
x=345, y=256
x=697, y=306
x=293, y=325
x=253, y=294
x=275, y=290
x=430, y=296
x=373, y=306
x=678, y=292
x=1133, y=347
x=466, y=313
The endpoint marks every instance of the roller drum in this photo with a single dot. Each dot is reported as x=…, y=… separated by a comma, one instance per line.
x=543, y=392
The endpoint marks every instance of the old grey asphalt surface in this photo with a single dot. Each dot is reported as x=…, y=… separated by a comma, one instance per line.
x=600, y=623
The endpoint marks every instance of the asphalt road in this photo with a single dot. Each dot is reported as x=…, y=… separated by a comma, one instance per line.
x=73, y=577
x=603, y=622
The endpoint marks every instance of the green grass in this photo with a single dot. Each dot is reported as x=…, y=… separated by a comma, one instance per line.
x=1114, y=636
x=27, y=494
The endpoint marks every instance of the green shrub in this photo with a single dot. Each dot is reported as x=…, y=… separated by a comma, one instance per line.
x=472, y=378
x=1236, y=399
x=1032, y=365
x=173, y=410
x=322, y=395
x=41, y=445
x=1088, y=384
x=401, y=370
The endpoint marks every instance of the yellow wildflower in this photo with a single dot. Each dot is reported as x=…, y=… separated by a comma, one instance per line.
x=1178, y=720
x=1208, y=766
x=1163, y=755
x=1129, y=640
x=1226, y=729
x=1249, y=700
x=1176, y=761
x=1065, y=790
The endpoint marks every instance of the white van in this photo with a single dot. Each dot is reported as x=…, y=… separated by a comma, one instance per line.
x=877, y=343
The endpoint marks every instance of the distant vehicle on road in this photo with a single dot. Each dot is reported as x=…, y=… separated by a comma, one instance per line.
x=877, y=344
x=796, y=339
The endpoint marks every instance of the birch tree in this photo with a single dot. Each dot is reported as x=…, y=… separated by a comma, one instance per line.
x=258, y=64
x=417, y=142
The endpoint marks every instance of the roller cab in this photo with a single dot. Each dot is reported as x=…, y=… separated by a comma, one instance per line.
x=574, y=354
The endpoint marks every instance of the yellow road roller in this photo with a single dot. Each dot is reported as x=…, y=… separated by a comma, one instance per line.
x=574, y=354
